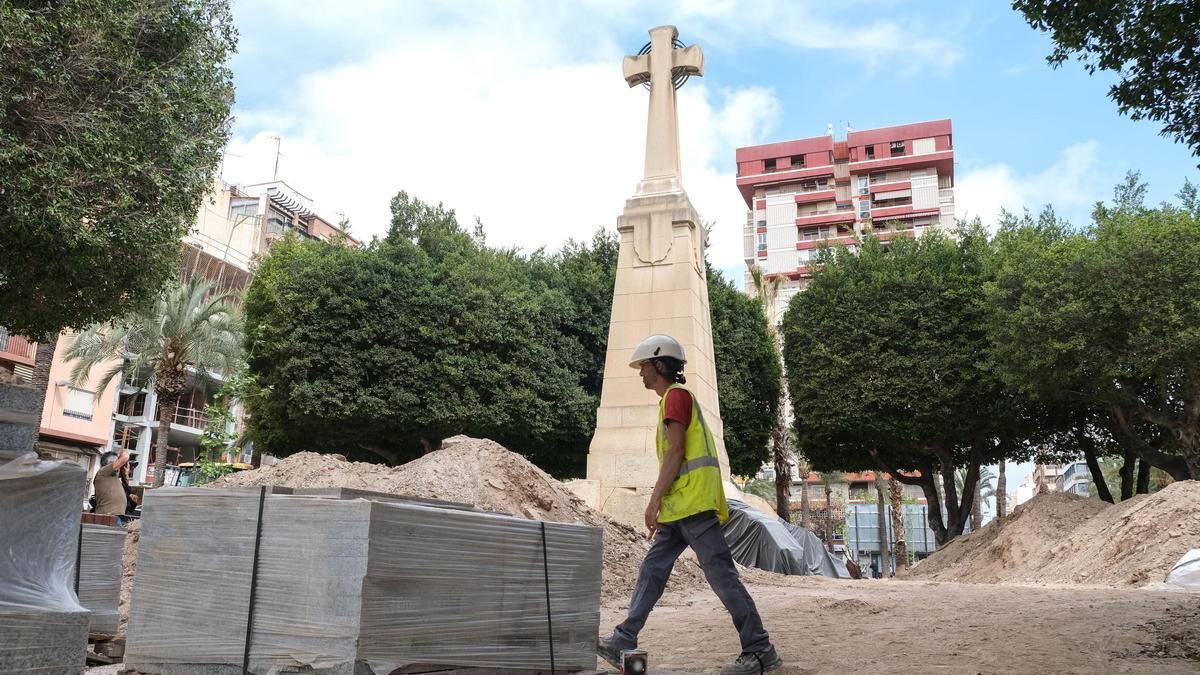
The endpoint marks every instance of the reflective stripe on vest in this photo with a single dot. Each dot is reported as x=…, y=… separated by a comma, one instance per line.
x=693, y=464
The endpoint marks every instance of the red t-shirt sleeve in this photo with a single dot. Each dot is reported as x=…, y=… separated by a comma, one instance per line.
x=678, y=407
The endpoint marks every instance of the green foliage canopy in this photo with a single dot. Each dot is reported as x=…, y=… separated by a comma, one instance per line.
x=1153, y=46
x=380, y=353
x=748, y=374
x=885, y=354
x=383, y=352
x=112, y=119
x=1109, y=316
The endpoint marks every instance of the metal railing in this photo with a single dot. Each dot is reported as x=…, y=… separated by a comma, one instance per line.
x=16, y=345
x=189, y=417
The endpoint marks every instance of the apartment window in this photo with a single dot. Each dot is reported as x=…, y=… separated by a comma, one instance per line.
x=897, y=148
x=878, y=178
x=245, y=209
x=762, y=240
x=870, y=151
x=79, y=403
x=277, y=223
x=769, y=165
x=812, y=234
x=797, y=161
x=762, y=223
x=864, y=208
x=894, y=201
x=863, y=187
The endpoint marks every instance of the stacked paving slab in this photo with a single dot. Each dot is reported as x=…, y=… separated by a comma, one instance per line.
x=100, y=575
x=352, y=585
x=43, y=628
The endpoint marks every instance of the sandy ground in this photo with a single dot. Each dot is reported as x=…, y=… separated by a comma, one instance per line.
x=874, y=626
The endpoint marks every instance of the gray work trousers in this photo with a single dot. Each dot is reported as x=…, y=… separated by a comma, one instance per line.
x=703, y=533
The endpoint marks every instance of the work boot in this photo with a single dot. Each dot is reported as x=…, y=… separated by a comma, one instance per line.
x=754, y=663
x=607, y=649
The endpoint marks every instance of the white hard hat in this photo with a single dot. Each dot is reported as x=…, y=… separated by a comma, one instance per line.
x=656, y=346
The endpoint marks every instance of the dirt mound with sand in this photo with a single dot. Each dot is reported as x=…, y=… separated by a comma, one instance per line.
x=1064, y=538
x=129, y=554
x=487, y=475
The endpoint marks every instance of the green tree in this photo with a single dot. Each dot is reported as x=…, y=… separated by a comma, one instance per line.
x=1152, y=46
x=767, y=291
x=748, y=374
x=189, y=332
x=423, y=335
x=885, y=359
x=379, y=353
x=216, y=438
x=1107, y=318
x=761, y=488
x=112, y=119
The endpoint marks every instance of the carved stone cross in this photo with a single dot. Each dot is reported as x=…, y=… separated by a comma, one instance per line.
x=659, y=67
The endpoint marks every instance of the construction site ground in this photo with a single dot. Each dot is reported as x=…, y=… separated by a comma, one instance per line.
x=907, y=626
x=1062, y=585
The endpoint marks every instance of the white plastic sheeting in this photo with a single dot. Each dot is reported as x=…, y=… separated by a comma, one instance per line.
x=1186, y=572
x=43, y=628
x=100, y=575
x=356, y=586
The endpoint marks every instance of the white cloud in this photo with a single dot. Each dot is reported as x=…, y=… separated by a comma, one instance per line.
x=908, y=44
x=509, y=128
x=516, y=113
x=1072, y=184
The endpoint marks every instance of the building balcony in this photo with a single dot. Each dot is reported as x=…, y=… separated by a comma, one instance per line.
x=746, y=184
x=16, y=348
x=826, y=218
x=890, y=186
x=815, y=196
x=906, y=211
x=191, y=418
x=831, y=241
x=943, y=160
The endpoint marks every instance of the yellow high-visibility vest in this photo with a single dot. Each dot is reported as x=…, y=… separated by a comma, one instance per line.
x=698, y=487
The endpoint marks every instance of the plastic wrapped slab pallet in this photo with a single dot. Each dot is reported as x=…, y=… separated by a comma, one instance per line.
x=100, y=575
x=43, y=629
x=764, y=541
x=351, y=586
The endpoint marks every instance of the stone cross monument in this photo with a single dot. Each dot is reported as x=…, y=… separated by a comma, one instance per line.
x=660, y=288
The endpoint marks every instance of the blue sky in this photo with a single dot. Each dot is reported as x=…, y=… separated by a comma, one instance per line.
x=516, y=113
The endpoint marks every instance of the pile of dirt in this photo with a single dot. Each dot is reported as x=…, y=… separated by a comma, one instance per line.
x=1064, y=538
x=129, y=555
x=487, y=475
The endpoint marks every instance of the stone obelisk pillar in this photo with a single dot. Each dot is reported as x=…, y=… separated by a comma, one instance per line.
x=660, y=288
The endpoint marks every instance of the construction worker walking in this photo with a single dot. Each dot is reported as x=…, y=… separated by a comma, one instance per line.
x=687, y=508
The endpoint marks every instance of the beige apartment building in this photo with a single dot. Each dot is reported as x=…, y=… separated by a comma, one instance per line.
x=235, y=224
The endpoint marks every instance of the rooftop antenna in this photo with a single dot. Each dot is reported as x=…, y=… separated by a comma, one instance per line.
x=829, y=129
x=275, y=175
x=848, y=129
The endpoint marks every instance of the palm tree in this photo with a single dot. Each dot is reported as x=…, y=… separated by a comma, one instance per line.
x=189, y=329
x=885, y=550
x=1001, y=492
x=803, y=468
x=985, y=489
x=828, y=528
x=767, y=292
x=895, y=494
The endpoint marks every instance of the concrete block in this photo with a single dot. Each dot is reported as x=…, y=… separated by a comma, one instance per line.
x=42, y=626
x=100, y=575
x=16, y=439
x=15, y=398
x=382, y=585
x=42, y=641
